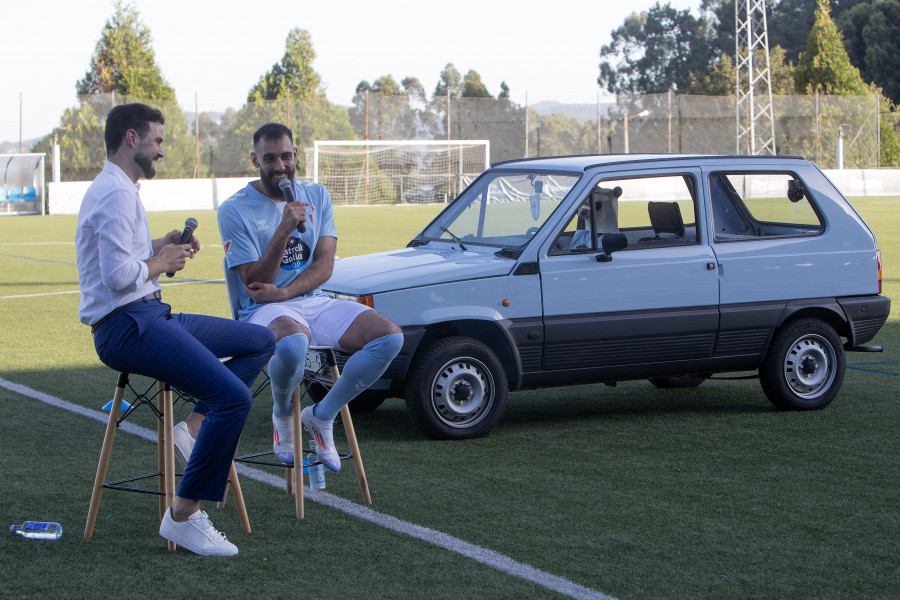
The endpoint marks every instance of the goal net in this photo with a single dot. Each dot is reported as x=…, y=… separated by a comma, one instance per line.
x=414, y=171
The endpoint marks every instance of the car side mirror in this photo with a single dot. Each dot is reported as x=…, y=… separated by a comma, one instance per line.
x=609, y=243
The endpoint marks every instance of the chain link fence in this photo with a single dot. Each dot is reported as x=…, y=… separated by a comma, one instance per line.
x=210, y=144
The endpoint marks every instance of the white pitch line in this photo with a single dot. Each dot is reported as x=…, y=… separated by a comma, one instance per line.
x=37, y=243
x=39, y=295
x=489, y=558
x=79, y=291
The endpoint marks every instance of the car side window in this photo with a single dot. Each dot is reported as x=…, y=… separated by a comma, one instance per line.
x=750, y=206
x=650, y=211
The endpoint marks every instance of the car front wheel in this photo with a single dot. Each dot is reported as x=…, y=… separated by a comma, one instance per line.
x=804, y=368
x=456, y=389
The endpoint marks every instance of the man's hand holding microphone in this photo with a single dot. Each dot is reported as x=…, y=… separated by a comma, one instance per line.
x=174, y=250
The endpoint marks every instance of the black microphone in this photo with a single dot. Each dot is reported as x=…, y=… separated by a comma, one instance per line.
x=287, y=188
x=190, y=224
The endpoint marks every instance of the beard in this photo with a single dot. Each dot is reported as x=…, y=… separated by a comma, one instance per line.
x=145, y=162
x=270, y=183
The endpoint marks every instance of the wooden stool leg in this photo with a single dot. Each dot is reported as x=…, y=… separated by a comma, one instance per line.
x=105, y=452
x=165, y=407
x=297, y=470
x=238, y=498
x=350, y=432
x=354, y=450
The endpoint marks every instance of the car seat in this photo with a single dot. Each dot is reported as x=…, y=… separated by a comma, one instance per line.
x=665, y=218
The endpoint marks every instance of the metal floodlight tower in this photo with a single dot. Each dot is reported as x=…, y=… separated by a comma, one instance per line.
x=755, y=115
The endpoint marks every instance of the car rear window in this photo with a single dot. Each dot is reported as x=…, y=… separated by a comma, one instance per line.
x=749, y=206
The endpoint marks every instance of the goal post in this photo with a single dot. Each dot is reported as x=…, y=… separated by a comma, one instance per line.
x=397, y=171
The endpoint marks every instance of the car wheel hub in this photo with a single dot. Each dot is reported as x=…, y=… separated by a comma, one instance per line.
x=461, y=392
x=809, y=366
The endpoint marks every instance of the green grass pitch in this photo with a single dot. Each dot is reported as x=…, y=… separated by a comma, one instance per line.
x=630, y=492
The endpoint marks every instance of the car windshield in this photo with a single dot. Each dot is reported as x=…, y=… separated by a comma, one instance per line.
x=502, y=209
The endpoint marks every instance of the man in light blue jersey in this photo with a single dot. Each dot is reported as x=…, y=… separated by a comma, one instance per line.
x=282, y=270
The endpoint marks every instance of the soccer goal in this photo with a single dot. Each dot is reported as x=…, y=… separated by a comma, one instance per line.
x=391, y=172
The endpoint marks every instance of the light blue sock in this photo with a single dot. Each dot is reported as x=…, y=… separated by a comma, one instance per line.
x=362, y=370
x=286, y=371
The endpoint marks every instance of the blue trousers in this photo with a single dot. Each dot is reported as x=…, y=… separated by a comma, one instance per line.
x=183, y=350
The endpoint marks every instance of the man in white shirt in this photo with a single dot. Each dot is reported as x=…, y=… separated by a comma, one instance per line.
x=135, y=332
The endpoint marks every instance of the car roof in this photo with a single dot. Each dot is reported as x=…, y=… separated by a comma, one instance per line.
x=587, y=161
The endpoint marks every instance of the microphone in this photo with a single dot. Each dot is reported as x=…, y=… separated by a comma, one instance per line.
x=190, y=224
x=287, y=188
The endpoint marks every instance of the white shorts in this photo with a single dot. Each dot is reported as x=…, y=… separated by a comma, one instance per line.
x=326, y=319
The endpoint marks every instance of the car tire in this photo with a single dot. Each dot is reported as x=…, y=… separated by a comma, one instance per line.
x=456, y=389
x=678, y=381
x=804, y=368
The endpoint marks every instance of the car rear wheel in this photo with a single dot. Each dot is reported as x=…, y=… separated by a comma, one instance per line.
x=804, y=368
x=456, y=389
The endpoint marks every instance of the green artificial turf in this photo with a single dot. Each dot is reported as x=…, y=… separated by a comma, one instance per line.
x=632, y=491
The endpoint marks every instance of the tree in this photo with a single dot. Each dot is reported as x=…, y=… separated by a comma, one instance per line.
x=655, y=51
x=825, y=66
x=80, y=138
x=557, y=135
x=720, y=81
x=414, y=88
x=294, y=75
x=450, y=83
x=123, y=60
x=873, y=43
x=309, y=115
x=890, y=146
x=310, y=120
x=123, y=69
x=788, y=22
x=473, y=87
x=382, y=111
x=383, y=85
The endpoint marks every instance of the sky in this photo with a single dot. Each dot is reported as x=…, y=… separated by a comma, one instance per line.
x=213, y=52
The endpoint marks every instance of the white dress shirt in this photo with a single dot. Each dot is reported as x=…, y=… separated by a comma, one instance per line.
x=112, y=242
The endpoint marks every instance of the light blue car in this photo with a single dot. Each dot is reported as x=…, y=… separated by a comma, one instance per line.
x=555, y=271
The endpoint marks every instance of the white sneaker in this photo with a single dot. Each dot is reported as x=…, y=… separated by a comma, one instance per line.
x=283, y=439
x=184, y=444
x=322, y=432
x=197, y=534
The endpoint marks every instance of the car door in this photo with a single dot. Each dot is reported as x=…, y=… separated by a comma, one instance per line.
x=654, y=302
x=771, y=247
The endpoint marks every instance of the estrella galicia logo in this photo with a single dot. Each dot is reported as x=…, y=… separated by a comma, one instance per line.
x=295, y=255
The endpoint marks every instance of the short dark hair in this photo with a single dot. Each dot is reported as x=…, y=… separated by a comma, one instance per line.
x=272, y=131
x=129, y=116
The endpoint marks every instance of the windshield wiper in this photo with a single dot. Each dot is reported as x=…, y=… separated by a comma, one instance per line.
x=455, y=239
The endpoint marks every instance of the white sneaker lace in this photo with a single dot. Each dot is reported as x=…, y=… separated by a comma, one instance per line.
x=206, y=527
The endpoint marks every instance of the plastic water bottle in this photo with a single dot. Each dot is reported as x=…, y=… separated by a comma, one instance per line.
x=38, y=530
x=316, y=472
